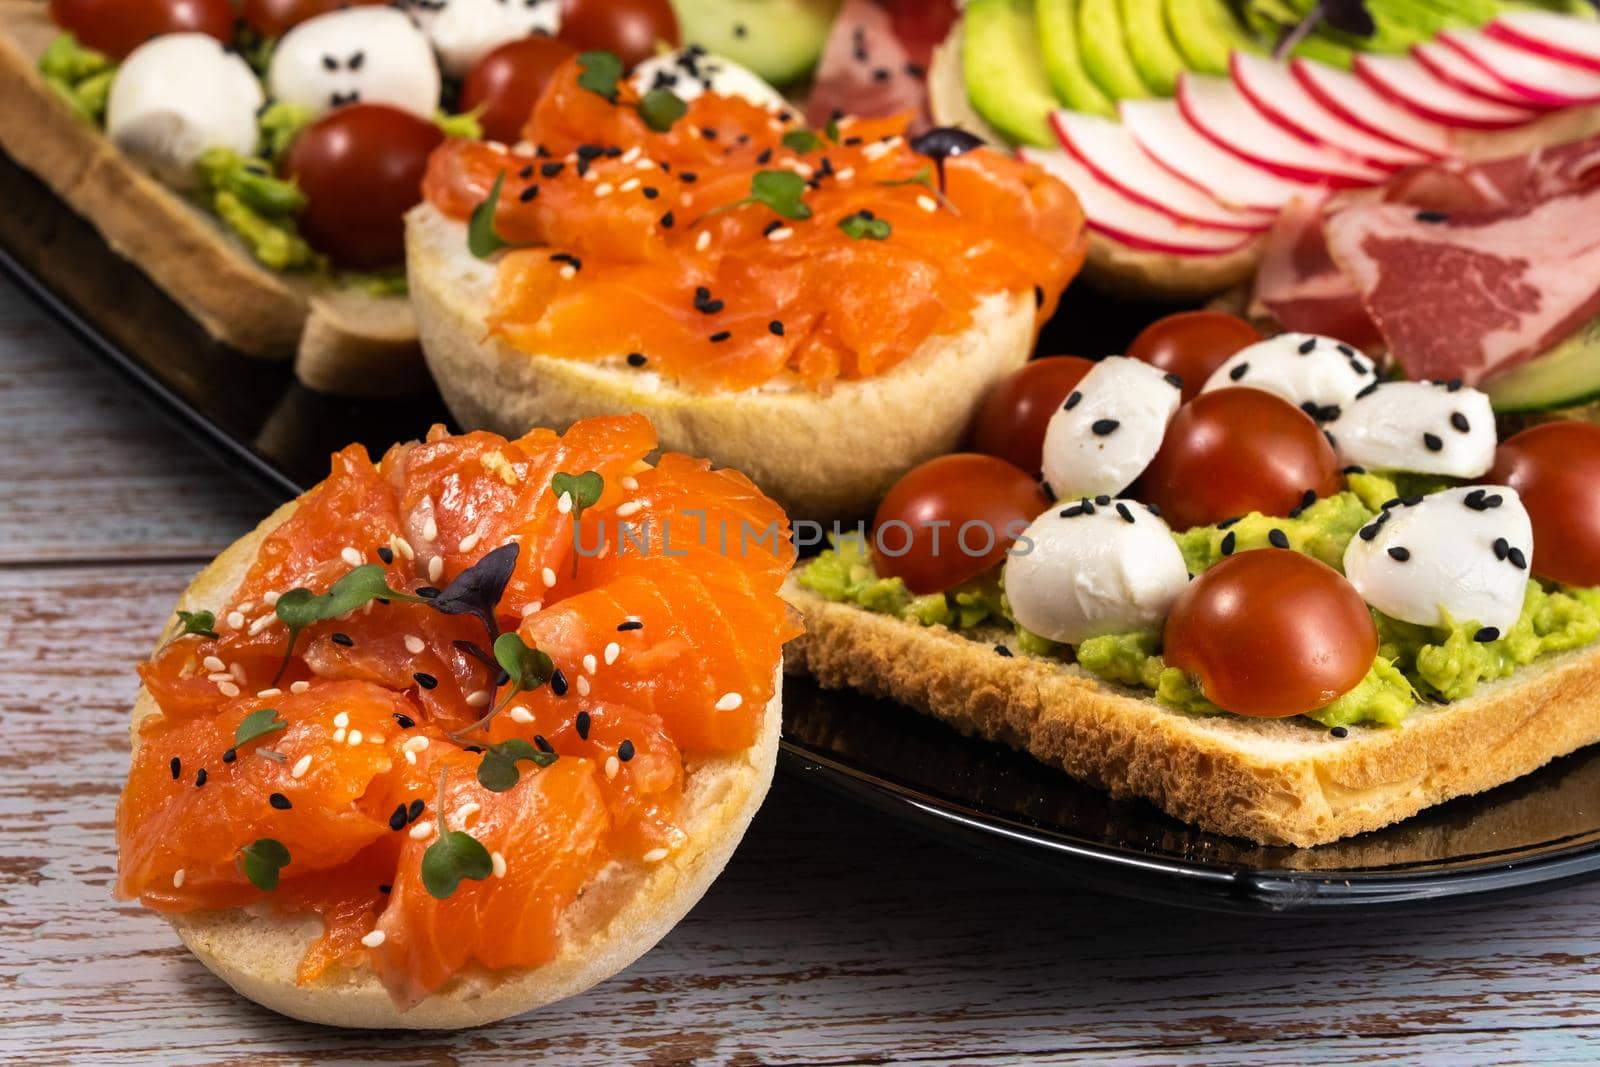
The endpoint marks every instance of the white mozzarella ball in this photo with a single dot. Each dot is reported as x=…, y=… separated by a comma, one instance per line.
x=690, y=71
x=464, y=31
x=1463, y=553
x=1088, y=569
x=1417, y=426
x=369, y=55
x=176, y=96
x=1109, y=429
x=1318, y=375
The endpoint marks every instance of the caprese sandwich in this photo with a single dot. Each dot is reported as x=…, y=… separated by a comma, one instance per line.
x=820, y=307
x=463, y=731
x=1257, y=582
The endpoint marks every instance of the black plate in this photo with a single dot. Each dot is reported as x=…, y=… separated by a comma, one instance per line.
x=1540, y=830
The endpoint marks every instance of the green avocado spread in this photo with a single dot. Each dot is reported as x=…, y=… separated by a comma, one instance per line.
x=1414, y=663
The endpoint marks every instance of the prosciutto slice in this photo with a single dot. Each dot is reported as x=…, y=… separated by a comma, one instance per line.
x=866, y=70
x=1472, y=294
x=1301, y=286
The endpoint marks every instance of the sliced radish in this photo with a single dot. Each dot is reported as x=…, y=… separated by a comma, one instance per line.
x=1537, y=80
x=1217, y=109
x=1570, y=40
x=1166, y=135
x=1110, y=213
x=1108, y=150
x=1357, y=103
x=1457, y=71
x=1272, y=90
x=1408, y=84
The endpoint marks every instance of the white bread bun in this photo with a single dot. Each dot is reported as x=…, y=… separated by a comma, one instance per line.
x=619, y=917
x=820, y=455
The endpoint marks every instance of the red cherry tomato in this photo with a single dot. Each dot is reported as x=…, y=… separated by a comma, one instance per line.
x=1271, y=633
x=117, y=27
x=951, y=519
x=508, y=81
x=1233, y=451
x=627, y=28
x=1555, y=468
x=1012, y=419
x=1192, y=345
x=361, y=169
x=271, y=18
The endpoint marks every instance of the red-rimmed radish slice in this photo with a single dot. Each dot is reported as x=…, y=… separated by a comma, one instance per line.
x=1110, y=213
x=1108, y=150
x=1407, y=83
x=1218, y=110
x=1560, y=37
x=1357, y=103
x=1166, y=135
x=1272, y=90
x=1535, y=79
x=1457, y=71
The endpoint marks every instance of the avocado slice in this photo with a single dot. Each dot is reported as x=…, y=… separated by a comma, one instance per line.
x=1206, y=32
x=1004, y=70
x=1150, y=45
x=1104, y=48
x=748, y=32
x=1057, y=23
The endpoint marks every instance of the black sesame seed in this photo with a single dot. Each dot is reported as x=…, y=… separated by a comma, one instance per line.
x=279, y=801
x=397, y=818
x=625, y=751
x=708, y=132
x=1487, y=634
x=881, y=74
x=385, y=888
x=1368, y=532
x=1493, y=501
x=636, y=359
x=342, y=639
x=1038, y=296
x=1310, y=408
x=1071, y=513
x=650, y=192
x=550, y=170
x=529, y=194
x=1122, y=509
x=582, y=723
x=775, y=328
x=1517, y=559
x=1277, y=538
x=1049, y=493
x=720, y=336
x=1353, y=469
x=1399, y=554
x=230, y=755
x=526, y=172
x=427, y=681
x=765, y=157
x=1072, y=400
x=1332, y=441
x=590, y=151
x=1088, y=508
x=1432, y=216
x=1309, y=498
x=1153, y=509
x=1432, y=442
x=1174, y=380
x=414, y=812
x=1102, y=427
x=1453, y=385
x=1229, y=540
x=1104, y=500
x=177, y=768
x=1339, y=731
x=1307, y=346
x=1002, y=650
x=667, y=220
x=1367, y=390
x=1459, y=421
x=200, y=778
x=558, y=683
x=406, y=722
x=1413, y=501
x=1502, y=548
x=1345, y=350
x=687, y=176
x=1239, y=372
x=631, y=624
x=772, y=227
x=541, y=744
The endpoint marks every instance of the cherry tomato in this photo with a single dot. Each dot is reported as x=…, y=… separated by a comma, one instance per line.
x=1233, y=451
x=952, y=518
x=1555, y=468
x=627, y=28
x=271, y=18
x=508, y=81
x=1012, y=419
x=361, y=169
x=1271, y=633
x=1192, y=345
x=117, y=27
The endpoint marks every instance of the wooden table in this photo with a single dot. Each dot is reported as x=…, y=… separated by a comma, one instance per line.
x=835, y=936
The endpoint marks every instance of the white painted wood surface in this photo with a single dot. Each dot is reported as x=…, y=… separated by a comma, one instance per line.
x=834, y=937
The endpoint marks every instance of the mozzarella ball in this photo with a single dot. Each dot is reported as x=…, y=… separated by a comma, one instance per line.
x=464, y=31
x=176, y=96
x=1318, y=375
x=1109, y=429
x=689, y=72
x=1427, y=427
x=368, y=55
x=1093, y=568
x=1463, y=553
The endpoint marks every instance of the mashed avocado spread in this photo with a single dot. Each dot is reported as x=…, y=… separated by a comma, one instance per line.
x=1413, y=662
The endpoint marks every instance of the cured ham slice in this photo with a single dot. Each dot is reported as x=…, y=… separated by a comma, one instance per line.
x=1301, y=286
x=865, y=70
x=1472, y=295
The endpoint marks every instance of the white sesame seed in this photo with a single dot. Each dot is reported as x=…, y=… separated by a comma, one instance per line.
x=522, y=715
x=416, y=744
x=414, y=644
x=403, y=546
x=299, y=687
x=782, y=233
x=470, y=542
x=339, y=736
x=928, y=204
x=876, y=150
x=270, y=598
x=846, y=174
x=729, y=702
x=564, y=503
x=301, y=766
x=430, y=529
x=350, y=556
x=177, y=878
x=219, y=676
x=227, y=689
x=630, y=155
x=497, y=147
x=702, y=242
x=246, y=606
x=497, y=864
x=268, y=694
x=568, y=272
x=373, y=939
x=235, y=620
x=613, y=765
x=436, y=569
x=213, y=664
x=342, y=719
x=355, y=737
x=613, y=650
x=630, y=483
x=627, y=508
x=644, y=164
x=533, y=607
x=655, y=855
x=422, y=831
x=411, y=758
x=591, y=175
x=628, y=186
x=583, y=686
x=549, y=577
x=479, y=699
x=467, y=811
x=589, y=664
x=375, y=739
x=261, y=623
x=604, y=189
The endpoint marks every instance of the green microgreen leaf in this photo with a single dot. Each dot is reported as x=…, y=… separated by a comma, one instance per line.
x=660, y=108
x=528, y=667
x=832, y=130
x=600, y=73
x=497, y=772
x=861, y=224
x=261, y=860
x=583, y=490
x=299, y=608
x=801, y=141
x=921, y=177
x=200, y=623
x=257, y=724
x=455, y=856
x=780, y=190
x=483, y=240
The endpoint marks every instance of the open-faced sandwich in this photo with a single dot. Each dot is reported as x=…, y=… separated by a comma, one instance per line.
x=1279, y=595
x=817, y=307
x=463, y=731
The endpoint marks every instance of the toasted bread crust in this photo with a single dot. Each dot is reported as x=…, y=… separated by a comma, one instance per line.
x=1277, y=782
x=619, y=917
